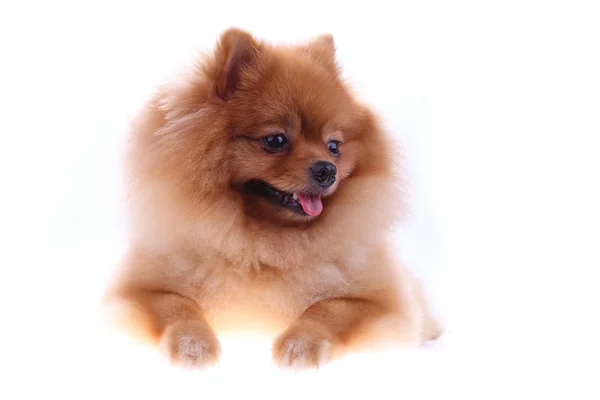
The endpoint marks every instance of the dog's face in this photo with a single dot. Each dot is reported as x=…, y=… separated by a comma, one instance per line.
x=273, y=128
x=293, y=128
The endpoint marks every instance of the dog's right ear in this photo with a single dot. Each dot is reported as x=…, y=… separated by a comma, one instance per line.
x=237, y=56
x=322, y=50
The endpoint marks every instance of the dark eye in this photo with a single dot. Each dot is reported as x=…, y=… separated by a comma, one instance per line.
x=275, y=143
x=334, y=147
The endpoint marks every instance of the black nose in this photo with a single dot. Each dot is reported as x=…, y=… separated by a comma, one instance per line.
x=324, y=173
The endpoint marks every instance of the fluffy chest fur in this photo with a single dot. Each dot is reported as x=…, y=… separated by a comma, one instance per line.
x=254, y=296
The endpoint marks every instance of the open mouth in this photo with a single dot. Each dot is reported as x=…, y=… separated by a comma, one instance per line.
x=300, y=203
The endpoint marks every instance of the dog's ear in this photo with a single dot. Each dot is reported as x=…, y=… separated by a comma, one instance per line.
x=322, y=50
x=237, y=55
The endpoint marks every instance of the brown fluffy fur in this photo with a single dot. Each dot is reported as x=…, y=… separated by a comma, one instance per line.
x=205, y=256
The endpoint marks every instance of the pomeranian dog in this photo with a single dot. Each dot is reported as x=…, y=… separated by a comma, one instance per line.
x=260, y=195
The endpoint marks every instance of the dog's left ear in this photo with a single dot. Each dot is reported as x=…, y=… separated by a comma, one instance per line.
x=322, y=50
x=237, y=57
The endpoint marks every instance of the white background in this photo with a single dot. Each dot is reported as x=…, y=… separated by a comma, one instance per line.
x=497, y=105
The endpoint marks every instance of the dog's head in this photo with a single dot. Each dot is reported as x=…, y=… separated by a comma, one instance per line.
x=276, y=125
x=295, y=130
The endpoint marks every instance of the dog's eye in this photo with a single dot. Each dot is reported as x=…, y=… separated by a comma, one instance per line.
x=334, y=147
x=275, y=143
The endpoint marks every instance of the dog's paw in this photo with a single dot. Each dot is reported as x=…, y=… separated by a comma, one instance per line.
x=303, y=347
x=190, y=344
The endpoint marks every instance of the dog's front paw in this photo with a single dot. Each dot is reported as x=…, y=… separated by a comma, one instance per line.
x=303, y=346
x=190, y=344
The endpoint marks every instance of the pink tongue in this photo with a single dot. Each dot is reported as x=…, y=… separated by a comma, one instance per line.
x=312, y=205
